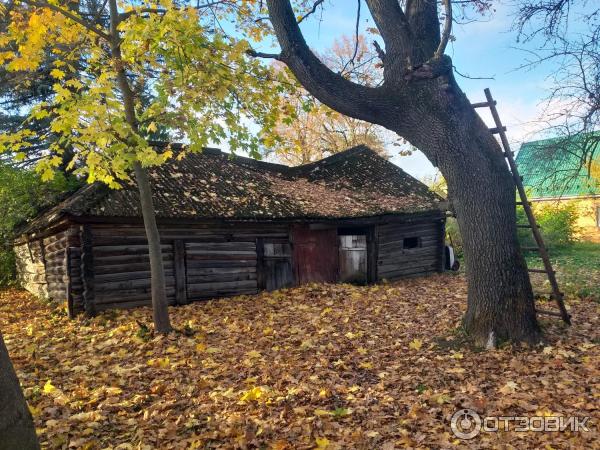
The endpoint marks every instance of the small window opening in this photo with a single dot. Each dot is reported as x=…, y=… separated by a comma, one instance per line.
x=411, y=242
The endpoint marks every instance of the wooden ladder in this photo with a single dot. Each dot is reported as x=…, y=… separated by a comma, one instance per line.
x=541, y=248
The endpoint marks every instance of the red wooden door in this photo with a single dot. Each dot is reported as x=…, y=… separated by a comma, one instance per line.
x=315, y=255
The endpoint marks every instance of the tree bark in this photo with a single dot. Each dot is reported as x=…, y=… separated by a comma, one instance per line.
x=421, y=101
x=160, y=311
x=500, y=299
x=16, y=425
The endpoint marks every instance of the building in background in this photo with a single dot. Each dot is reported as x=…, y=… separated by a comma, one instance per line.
x=556, y=174
x=231, y=226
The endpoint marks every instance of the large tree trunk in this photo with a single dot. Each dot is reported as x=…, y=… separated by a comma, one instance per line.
x=421, y=101
x=450, y=133
x=16, y=426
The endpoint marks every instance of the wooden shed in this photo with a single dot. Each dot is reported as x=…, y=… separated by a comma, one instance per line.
x=234, y=225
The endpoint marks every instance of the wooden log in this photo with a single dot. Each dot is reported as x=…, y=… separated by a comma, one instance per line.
x=216, y=278
x=261, y=281
x=227, y=286
x=87, y=270
x=127, y=268
x=192, y=271
x=179, y=255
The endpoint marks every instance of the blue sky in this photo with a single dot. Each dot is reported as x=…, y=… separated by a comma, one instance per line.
x=487, y=48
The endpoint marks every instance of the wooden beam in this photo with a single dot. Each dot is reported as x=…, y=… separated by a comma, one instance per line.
x=87, y=270
x=260, y=264
x=180, y=272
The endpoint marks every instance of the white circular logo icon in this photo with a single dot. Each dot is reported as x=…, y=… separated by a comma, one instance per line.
x=465, y=424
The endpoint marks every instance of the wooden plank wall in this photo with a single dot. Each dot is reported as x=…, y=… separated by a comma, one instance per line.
x=219, y=260
x=220, y=269
x=395, y=261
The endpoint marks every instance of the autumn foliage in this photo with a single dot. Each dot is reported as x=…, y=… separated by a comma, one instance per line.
x=321, y=366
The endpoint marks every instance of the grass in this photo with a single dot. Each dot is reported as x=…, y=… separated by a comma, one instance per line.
x=577, y=269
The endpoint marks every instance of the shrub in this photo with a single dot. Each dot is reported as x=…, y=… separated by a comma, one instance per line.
x=22, y=195
x=557, y=223
x=453, y=236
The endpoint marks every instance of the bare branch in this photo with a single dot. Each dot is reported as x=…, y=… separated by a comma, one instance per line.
x=351, y=60
x=329, y=87
x=447, y=29
x=312, y=10
x=379, y=51
x=256, y=54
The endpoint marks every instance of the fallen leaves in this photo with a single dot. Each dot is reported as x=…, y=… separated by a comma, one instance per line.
x=321, y=366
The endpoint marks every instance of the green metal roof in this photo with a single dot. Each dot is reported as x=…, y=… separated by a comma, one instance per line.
x=552, y=168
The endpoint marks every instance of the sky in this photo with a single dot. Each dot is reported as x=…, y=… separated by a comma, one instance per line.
x=487, y=48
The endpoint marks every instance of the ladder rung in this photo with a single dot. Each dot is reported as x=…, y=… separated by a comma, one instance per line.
x=522, y=225
x=522, y=203
x=483, y=104
x=538, y=270
x=549, y=313
x=497, y=130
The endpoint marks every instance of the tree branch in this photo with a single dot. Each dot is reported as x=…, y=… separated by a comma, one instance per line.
x=447, y=29
x=256, y=54
x=329, y=87
x=87, y=25
x=312, y=10
x=424, y=22
x=396, y=33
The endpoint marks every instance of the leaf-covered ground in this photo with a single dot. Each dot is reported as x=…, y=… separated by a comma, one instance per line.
x=322, y=366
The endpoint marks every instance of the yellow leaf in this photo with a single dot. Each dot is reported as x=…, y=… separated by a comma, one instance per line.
x=171, y=350
x=163, y=363
x=200, y=347
x=253, y=354
x=322, y=443
x=253, y=394
x=57, y=73
x=322, y=412
x=152, y=127
x=416, y=344
x=48, y=388
x=366, y=365
x=456, y=356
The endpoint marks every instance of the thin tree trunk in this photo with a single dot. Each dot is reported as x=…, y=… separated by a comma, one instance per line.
x=160, y=309
x=16, y=425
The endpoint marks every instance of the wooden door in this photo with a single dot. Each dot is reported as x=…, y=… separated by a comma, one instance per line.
x=275, y=265
x=353, y=259
x=315, y=255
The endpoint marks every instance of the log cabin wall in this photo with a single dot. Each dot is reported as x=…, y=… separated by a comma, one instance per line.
x=42, y=266
x=409, y=249
x=201, y=261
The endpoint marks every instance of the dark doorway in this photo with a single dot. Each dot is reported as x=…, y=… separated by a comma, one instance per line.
x=315, y=255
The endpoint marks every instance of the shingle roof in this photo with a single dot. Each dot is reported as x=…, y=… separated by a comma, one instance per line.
x=216, y=185
x=551, y=168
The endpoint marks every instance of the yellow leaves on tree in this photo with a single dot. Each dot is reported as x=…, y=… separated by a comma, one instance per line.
x=198, y=84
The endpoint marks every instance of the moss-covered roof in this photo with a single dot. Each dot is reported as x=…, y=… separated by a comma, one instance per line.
x=216, y=185
x=552, y=168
